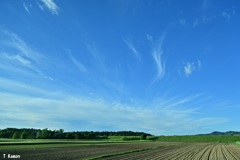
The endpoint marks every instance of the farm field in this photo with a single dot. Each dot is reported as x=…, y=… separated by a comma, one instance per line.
x=185, y=151
x=127, y=151
x=69, y=150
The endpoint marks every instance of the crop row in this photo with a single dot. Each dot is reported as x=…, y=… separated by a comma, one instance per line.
x=185, y=151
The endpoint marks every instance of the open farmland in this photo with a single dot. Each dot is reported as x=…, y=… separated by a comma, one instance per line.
x=127, y=151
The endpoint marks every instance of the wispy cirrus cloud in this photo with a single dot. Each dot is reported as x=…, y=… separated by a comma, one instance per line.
x=79, y=65
x=99, y=114
x=17, y=57
x=98, y=58
x=14, y=43
x=157, y=56
x=133, y=49
x=25, y=7
x=191, y=67
x=51, y=6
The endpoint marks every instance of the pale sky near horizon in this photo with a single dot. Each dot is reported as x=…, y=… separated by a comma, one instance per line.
x=164, y=67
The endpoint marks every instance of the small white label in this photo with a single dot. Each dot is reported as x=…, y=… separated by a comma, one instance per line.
x=11, y=156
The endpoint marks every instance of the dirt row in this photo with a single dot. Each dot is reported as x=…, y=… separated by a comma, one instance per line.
x=187, y=151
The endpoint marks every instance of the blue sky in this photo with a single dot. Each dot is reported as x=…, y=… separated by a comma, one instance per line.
x=164, y=67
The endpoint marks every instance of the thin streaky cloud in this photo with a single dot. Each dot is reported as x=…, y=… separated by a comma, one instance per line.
x=25, y=7
x=112, y=114
x=14, y=41
x=20, y=65
x=98, y=58
x=41, y=6
x=52, y=6
x=21, y=58
x=23, y=61
x=178, y=101
x=16, y=58
x=132, y=48
x=157, y=56
x=41, y=74
x=79, y=65
x=92, y=50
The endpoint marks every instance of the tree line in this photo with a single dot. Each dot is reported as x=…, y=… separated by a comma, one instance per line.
x=26, y=133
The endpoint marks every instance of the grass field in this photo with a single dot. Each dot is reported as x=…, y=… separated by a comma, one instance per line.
x=114, y=148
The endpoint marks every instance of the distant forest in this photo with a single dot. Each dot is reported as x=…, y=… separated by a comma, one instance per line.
x=26, y=133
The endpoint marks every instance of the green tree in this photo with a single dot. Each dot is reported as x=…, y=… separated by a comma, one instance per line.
x=69, y=135
x=24, y=135
x=16, y=135
x=143, y=137
x=59, y=134
x=45, y=134
x=91, y=135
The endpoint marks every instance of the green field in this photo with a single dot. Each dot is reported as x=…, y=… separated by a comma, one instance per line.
x=224, y=139
x=15, y=144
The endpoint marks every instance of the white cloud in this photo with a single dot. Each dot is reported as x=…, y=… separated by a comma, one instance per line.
x=133, y=49
x=191, y=67
x=51, y=5
x=157, y=56
x=228, y=13
x=188, y=68
x=149, y=37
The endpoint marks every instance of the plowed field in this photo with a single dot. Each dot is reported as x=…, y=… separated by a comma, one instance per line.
x=191, y=151
x=136, y=151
